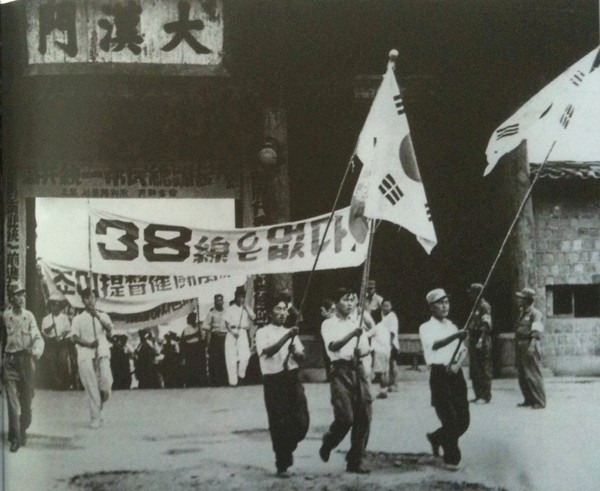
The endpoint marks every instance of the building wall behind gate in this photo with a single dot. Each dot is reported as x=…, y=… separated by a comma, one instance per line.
x=567, y=217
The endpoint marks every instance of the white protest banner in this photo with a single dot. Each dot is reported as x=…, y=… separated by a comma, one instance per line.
x=162, y=314
x=126, y=246
x=129, y=294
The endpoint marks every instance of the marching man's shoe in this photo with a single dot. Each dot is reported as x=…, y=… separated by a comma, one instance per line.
x=324, y=453
x=14, y=446
x=357, y=469
x=435, y=447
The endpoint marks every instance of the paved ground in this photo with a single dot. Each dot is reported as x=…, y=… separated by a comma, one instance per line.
x=218, y=439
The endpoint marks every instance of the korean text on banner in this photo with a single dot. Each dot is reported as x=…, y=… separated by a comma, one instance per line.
x=127, y=246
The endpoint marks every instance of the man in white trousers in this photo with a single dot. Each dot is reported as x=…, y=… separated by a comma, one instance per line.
x=89, y=333
x=237, y=347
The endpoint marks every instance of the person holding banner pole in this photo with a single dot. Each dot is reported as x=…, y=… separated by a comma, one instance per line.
x=350, y=394
x=286, y=404
x=237, y=348
x=439, y=338
x=89, y=333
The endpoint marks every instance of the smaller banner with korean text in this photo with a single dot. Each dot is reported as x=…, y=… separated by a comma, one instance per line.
x=130, y=294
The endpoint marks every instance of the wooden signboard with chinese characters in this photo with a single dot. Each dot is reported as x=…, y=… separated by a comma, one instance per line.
x=175, y=180
x=128, y=36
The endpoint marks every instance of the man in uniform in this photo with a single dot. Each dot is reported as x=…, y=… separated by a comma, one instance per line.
x=480, y=347
x=529, y=364
x=237, y=347
x=350, y=395
x=89, y=333
x=280, y=350
x=24, y=343
x=439, y=338
x=216, y=329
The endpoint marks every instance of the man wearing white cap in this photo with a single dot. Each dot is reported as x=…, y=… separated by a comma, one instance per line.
x=529, y=366
x=23, y=343
x=439, y=338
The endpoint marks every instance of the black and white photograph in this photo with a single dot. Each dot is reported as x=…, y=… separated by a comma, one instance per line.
x=300, y=245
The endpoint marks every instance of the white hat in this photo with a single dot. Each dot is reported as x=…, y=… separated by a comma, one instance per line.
x=436, y=295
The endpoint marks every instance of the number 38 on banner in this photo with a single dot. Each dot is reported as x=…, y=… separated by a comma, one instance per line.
x=131, y=233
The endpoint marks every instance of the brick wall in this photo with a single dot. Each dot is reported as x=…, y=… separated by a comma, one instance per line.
x=567, y=252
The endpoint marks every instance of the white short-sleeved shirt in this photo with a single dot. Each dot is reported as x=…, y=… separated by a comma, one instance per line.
x=61, y=323
x=237, y=316
x=268, y=336
x=435, y=330
x=334, y=329
x=381, y=341
x=83, y=327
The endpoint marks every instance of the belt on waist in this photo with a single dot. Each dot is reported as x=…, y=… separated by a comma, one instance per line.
x=18, y=353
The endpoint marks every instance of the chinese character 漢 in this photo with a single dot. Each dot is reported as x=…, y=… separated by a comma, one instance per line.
x=181, y=30
x=126, y=20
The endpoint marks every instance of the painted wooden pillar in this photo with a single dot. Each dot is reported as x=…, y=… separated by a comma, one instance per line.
x=277, y=181
x=523, y=241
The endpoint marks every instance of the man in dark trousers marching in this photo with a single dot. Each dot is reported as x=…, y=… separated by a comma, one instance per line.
x=350, y=395
x=286, y=404
x=439, y=338
x=22, y=344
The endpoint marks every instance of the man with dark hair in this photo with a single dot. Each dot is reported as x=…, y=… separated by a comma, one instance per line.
x=56, y=329
x=216, y=328
x=350, y=395
x=193, y=353
x=238, y=319
x=529, y=364
x=23, y=344
x=145, y=359
x=280, y=350
x=480, y=347
x=89, y=333
x=440, y=337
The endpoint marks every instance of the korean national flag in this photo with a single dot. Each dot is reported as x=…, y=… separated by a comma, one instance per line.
x=566, y=111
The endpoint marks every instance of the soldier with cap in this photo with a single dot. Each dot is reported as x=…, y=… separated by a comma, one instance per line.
x=350, y=394
x=23, y=344
x=280, y=350
x=89, y=332
x=440, y=337
x=56, y=329
x=480, y=347
x=527, y=337
x=237, y=347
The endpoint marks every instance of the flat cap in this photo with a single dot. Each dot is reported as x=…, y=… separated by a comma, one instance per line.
x=475, y=287
x=436, y=295
x=526, y=292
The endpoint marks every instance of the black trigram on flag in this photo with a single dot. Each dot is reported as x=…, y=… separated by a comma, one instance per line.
x=428, y=211
x=577, y=78
x=390, y=189
x=399, y=103
x=565, y=119
x=508, y=130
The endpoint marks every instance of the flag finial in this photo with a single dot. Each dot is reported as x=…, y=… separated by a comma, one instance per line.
x=393, y=56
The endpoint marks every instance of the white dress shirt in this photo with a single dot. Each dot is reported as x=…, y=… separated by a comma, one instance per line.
x=334, y=329
x=435, y=330
x=268, y=336
x=61, y=329
x=237, y=316
x=88, y=328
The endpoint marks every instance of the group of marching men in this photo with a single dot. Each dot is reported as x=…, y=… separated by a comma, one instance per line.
x=345, y=334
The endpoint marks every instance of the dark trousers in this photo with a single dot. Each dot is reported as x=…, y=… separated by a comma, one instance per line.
x=216, y=361
x=351, y=401
x=287, y=411
x=18, y=380
x=449, y=398
x=480, y=368
x=529, y=368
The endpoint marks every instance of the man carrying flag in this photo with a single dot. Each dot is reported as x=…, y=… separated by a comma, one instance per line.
x=389, y=187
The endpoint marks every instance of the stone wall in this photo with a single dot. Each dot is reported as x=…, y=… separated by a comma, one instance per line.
x=567, y=252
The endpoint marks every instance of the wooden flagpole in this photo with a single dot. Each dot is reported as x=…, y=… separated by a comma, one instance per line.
x=504, y=242
x=365, y=278
x=91, y=276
